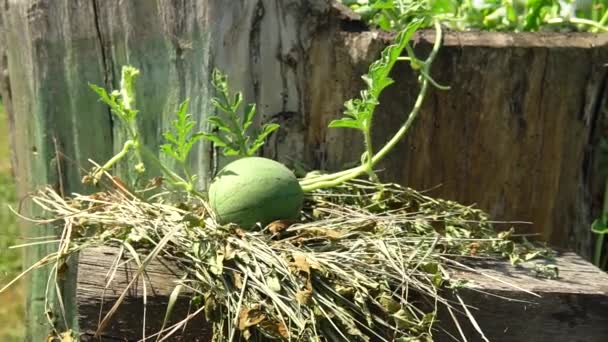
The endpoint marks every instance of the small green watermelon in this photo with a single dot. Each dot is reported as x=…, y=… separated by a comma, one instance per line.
x=254, y=189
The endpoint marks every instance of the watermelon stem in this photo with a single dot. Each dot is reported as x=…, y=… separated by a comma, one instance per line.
x=335, y=179
x=128, y=145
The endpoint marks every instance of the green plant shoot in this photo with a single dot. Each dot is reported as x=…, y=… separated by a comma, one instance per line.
x=181, y=140
x=600, y=227
x=122, y=105
x=230, y=130
x=359, y=112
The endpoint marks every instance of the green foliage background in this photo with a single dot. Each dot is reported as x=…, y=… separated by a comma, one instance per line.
x=490, y=15
x=11, y=302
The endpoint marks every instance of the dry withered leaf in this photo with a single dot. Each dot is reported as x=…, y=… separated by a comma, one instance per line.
x=212, y=310
x=97, y=196
x=229, y=252
x=278, y=226
x=368, y=226
x=303, y=296
x=474, y=247
x=387, y=302
x=282, y=330
x=275, y=328
x=216, y=262
x=300, y=263
x=246, y=334
x=326, y=233
x=118, y=183
x=66, y=336
x=249, y=317
x=155, y=182
x=86, y=179
x=238, y=280
x=273, y=282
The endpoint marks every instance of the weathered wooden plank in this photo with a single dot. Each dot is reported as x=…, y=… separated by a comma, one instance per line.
x=95, y=299
x=570, y=308
x=517, y=133
x=57, y=125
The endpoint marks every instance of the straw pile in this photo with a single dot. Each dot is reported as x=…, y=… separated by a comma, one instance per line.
x=365, y=262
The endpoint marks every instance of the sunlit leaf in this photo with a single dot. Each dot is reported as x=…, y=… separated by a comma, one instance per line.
x=599, y=226
x=249, y=115
x=345, y=123
x=259, y=140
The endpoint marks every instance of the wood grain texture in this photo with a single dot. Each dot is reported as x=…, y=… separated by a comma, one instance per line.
x=517, y=133
x=95, y=299
x=176, y=45
x=570, y=308
x=58, y=125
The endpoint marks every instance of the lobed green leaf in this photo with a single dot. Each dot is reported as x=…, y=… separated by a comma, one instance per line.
x=259, y=140
x=232, y=127
x=359, y=112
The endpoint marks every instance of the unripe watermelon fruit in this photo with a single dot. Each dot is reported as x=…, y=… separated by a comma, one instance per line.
x=254, y=189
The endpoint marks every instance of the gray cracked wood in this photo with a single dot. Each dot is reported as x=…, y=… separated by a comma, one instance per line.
x=570, y=308
x=94, y=299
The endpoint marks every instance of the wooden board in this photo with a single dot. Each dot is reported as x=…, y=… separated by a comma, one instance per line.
x=571, y=308
x=95, y=299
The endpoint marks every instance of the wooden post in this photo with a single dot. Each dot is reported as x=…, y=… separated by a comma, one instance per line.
x=57, y=125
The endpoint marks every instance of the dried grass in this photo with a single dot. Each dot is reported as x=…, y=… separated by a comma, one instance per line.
x=364, y=263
